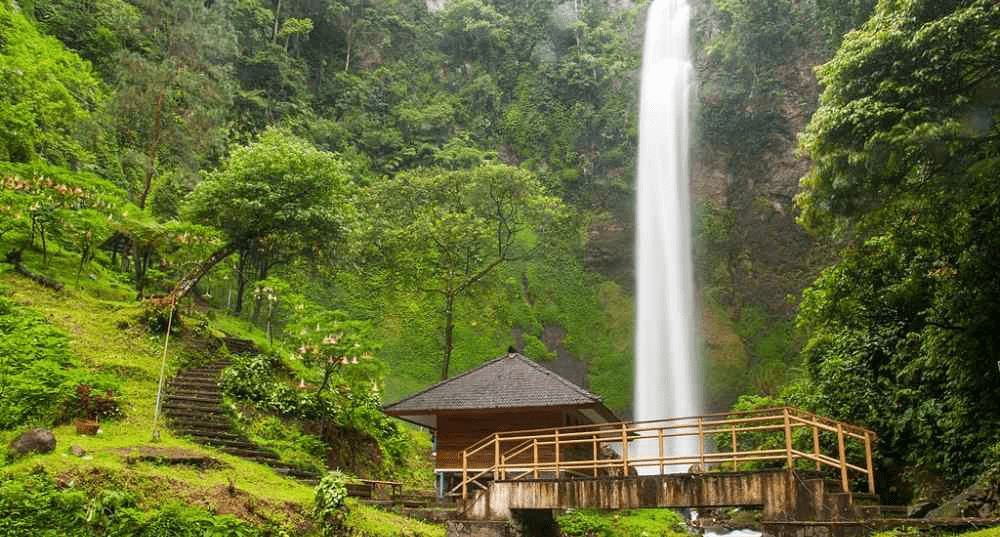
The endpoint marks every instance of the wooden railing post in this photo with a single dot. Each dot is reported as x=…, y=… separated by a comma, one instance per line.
x=659, y=443
x=868, y=462
x=534, y=452
x=465, y=474
x=843, y=457
x=557, y=453
x=497, y=468
x=701, y=443
x=732, y=430
x=624, y=450
x=788, y=440
x=596, y=454
x=816, y=444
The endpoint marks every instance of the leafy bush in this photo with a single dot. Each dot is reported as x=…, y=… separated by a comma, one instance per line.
x=253, y=380
x=640, y=523
x=38, y=374
x=88, y=404
x=584, y=523
x=329, y=509
x=35, y=505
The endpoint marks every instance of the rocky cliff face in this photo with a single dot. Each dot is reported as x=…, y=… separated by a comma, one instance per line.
x=764, y=259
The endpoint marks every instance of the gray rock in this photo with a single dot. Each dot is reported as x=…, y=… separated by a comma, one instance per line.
x=77, y=450
x=34, y=441
x=921, y=508
x=979, y=500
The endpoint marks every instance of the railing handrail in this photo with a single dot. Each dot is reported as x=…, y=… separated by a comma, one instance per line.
x=776, y=419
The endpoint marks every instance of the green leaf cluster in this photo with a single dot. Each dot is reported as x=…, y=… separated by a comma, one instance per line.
x=900, y=332
x=39, y=375
x=34, y=504
x=640, y=523
x=48, y=100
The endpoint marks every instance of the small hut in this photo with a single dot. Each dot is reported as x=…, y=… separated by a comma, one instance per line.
x=509, y=393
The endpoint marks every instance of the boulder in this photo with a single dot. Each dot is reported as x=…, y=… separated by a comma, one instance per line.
x=34, y=441
x=980, y=500
x=921, y=508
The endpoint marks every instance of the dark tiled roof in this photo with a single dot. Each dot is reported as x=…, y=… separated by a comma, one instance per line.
x=511, y=381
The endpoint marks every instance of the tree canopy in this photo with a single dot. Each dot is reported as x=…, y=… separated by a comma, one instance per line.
x=446, y=231
x=901, y=331
x=280, y=190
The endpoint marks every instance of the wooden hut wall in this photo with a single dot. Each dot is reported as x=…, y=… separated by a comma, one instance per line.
x=459, y=431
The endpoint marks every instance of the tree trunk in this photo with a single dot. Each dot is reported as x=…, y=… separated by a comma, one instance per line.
x=449, y=330
x=241, y=281
x=327, y=373
x=142, y=257
x=188, y=282
x=147, y=182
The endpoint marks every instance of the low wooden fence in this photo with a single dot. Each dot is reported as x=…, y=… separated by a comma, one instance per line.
x=735, y=440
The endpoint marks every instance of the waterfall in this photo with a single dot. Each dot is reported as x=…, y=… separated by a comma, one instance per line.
x=667, y=381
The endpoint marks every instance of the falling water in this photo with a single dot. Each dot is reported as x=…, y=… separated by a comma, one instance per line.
x=666, y=375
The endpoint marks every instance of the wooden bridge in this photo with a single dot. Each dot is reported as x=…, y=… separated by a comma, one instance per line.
x=793, y=464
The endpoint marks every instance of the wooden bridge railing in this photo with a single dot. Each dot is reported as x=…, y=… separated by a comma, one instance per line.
x=793, y=437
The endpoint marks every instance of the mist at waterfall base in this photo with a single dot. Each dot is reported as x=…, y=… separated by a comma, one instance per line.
x=667, y=381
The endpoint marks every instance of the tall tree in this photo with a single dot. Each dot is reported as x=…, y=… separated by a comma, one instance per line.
x=173, y=90
x=280, y=189
x=446, y=232
x=906, y=151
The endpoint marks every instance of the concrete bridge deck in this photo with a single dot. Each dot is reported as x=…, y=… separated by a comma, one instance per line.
x=780, y=493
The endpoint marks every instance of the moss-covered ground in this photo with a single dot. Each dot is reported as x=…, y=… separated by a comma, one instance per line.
x=102, y=321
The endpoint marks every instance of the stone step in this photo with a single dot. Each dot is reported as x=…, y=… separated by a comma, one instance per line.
x=292, y=471
x=215, y=367
x=181, y=398
x=212, y=434
x=210, y=413
x=200, y=421
x=195, y=392
x=224, y=443
x=240, y=346
x=255, y=454
x=192, y=408
x=203, y=377
x=192, y=383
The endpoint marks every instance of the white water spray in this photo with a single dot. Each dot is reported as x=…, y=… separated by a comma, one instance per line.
x=667, y=382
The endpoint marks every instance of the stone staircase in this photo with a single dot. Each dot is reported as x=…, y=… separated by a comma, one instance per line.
x=193, y=406
x=824, y=499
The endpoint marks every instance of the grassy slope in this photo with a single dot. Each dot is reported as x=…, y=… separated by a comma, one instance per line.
x=91, y=317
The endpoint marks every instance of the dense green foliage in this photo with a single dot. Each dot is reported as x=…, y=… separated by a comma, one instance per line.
x=901, y=331
x=35, y=504
x=430, y=178
x=39, y=378
x=262, y=389
x=48, y=100
x=646, y=522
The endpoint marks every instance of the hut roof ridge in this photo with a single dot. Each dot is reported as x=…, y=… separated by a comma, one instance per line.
x=470, y=391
